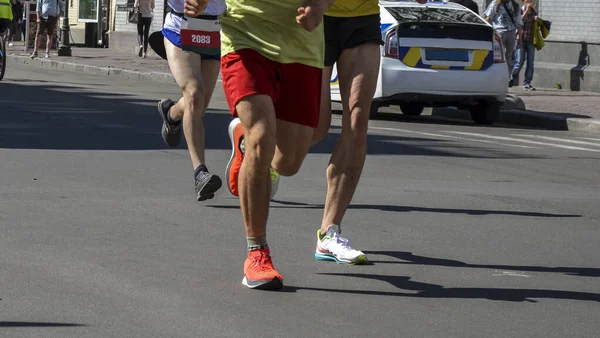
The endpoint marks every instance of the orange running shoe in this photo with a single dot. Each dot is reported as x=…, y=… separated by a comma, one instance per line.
x=232, y=172
x=259, y=272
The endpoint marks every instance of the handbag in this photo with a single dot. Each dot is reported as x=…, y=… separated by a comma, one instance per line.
x=133, y=16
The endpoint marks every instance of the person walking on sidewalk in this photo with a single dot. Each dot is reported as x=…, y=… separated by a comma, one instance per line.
x=352, y=42
x=506, y=20
x=527, y=49
x=6, y=16
x=192, y=45
x=48, y=13
x=271, y=71
x=145, y=9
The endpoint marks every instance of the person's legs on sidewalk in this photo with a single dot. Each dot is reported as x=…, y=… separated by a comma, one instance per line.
x=197, y=79
x=519, y=57
x=146, y=33
x=140, y=35
x=530, y=50
x=37, y=41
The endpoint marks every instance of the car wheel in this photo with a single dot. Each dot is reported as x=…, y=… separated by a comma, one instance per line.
x=485, y=113
x=374, y=109
x=412, y=109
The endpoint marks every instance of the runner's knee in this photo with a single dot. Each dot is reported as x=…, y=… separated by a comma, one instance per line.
x=289, y=164
x=193, y=95
x=260, y=145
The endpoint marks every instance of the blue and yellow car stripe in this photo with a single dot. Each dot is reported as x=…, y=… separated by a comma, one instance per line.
x=411, y=56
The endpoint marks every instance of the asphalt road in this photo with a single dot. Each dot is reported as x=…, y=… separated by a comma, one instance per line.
x=471, y=231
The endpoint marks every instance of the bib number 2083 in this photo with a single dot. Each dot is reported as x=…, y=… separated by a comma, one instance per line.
x=201, y=36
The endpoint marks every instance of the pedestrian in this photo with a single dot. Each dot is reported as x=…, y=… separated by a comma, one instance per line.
x=48, y=13
x=527, y=49
x=352, y=42
x=470, y=4
x=192, y=49
x=271, y=70
x=6, y=16
x=15, y=26
x=506, y=20
x=145, y=9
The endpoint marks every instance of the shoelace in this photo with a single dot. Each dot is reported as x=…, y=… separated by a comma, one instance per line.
x=341, y=241
x=263, y=262
x=203, y=175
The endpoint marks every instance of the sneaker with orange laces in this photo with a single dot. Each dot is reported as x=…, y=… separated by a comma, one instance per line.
x=236, y=135
x=259, y=272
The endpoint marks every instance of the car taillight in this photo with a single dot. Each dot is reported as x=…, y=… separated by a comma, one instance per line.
x=391, y=44
x=498, y=49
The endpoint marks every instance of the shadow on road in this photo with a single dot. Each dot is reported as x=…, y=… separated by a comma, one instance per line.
x=427, y=290
x=409, y=258
x=39, y=324
x=403, y=208
x=59, y=116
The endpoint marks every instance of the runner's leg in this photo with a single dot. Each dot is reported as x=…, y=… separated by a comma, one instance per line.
x=194, y=77
x=186, y=68
x=358, y=69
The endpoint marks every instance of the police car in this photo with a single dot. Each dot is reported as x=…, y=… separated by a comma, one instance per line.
x=438, y=55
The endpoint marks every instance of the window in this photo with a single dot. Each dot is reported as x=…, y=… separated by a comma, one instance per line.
x=432, y=14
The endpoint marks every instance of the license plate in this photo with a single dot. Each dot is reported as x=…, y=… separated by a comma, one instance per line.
x=447, y=55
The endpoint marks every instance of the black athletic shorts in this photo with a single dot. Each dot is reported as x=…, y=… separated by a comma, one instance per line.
x=345, y=33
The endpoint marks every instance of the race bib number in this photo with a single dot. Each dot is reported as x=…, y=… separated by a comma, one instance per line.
x=201, y=36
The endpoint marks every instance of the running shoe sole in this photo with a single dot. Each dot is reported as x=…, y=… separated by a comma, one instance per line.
x=273, y=284
x=164, y=131
x=209, y=188
x=362, y=259
x=234, y=149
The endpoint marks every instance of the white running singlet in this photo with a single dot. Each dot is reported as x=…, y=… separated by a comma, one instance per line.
x=173, y=22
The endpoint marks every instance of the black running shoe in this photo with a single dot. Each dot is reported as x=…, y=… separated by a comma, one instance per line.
x=171, y=133
x=206, y=185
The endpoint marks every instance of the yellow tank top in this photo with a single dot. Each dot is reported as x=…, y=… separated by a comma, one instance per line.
x=352, y=8
x=270, y=28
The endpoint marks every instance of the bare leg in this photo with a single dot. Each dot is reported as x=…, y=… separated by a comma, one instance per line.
x=197, y=79
x=358, y=71
x=48, y=43
x=257, y=115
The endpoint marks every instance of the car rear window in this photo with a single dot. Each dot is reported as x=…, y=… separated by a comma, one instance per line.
x=434, y=14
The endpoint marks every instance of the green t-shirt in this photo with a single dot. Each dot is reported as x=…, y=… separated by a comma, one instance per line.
x=270, y=28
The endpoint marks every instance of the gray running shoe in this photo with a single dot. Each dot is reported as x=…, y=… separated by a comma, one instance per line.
x=171, y=133
x=206, y=185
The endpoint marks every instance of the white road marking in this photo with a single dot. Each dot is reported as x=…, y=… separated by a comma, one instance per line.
x=451, y=137
x=547, y=138
x=510, y=274
x=523, y=141
x=589, y=138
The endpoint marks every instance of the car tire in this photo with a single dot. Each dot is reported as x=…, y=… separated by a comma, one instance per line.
x=374, y=109
x=485, y=113
x=412, y=109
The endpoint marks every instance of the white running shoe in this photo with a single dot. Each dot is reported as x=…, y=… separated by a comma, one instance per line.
x=333, y=247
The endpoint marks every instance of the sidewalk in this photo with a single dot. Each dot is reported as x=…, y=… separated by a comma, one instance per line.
x=545, y=108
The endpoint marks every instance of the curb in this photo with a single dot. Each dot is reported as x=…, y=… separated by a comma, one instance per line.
x=94, y=70
x=515, y=115
x=531, y=119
